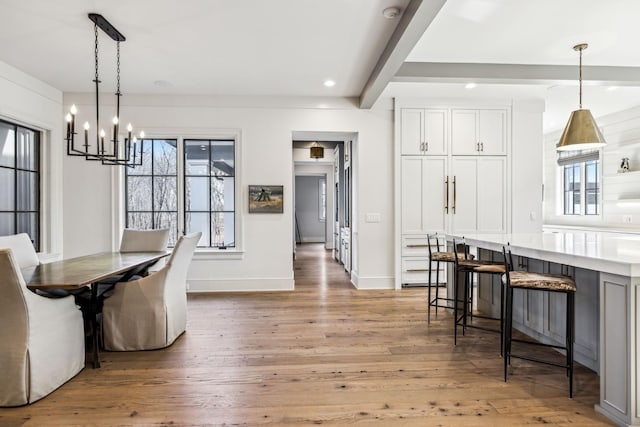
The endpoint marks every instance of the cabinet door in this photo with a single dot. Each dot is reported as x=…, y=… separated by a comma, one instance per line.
x=492, y=132
x=412, y=131
x=464, y=195
x=434, y=194
x=435, y=132
x=412, y=197
x=464, y=132
x=423, y=194
x=491, y=190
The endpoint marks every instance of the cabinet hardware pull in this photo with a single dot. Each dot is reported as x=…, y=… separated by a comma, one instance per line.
x=482, y=146
x=417, y=246
x=477, y=146
x=446, y=192
x=454, y=195
x=426, y=146
x=412, y=270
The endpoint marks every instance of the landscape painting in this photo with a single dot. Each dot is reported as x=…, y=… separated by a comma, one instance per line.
x=265, y=199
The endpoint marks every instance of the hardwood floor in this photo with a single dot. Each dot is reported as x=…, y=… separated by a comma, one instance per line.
x=325, y=354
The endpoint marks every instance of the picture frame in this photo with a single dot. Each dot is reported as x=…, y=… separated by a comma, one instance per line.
x=266, y=198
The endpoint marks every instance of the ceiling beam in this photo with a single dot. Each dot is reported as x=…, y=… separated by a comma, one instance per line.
x=440, y=72
x=415, y=20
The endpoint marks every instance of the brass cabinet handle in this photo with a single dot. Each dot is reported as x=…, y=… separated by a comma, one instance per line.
x=454, y=195
x=412, y=270
x=446, y=192
x=477, y=146
x=426, y=146
x=417, y=246
x=482, y=146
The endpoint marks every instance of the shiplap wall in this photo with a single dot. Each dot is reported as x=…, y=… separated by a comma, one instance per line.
x=620, y=191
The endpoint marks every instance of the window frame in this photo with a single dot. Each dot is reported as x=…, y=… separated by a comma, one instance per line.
x=182, y=134
x=38, y=171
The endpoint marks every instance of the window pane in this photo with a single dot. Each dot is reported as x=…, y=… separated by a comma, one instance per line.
x=147, y=161
x=7, y=145
x=199, y=222
x=27, y=149
x=223, y=229
x=196, y=157
x=168, y=220
x=7, y=224
x=222, y=158
x=28, y=223
x=140, y=221
x=164, y=157
x=138, y=194
x=196, y=193
x=165, y=194
x=222, y=194
x=27, y=191
x=7, y=182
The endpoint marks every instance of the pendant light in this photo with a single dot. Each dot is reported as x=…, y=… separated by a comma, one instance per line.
x=581, y=132
x=317, y=151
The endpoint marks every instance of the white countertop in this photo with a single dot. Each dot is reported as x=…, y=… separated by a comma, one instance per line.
x=616, y=253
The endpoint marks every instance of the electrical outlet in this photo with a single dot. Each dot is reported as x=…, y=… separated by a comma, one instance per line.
x=627, y=219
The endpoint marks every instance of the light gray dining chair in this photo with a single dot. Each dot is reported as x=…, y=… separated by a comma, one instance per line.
x=42, y=338
x=151, y=312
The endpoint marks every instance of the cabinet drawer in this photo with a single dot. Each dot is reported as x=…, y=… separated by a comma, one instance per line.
x=418, y=246
x=416, y=270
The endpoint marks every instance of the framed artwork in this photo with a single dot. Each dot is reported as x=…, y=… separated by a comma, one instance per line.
x=266, y=198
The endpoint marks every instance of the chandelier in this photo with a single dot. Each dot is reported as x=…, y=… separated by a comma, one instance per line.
x=113, y=152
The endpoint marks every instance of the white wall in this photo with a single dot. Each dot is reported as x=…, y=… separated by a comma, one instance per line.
x=266, y=127
x=302, y=167
x=30, y=102
x=620, y=192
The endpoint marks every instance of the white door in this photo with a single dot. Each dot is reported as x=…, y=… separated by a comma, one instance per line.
x=492, y=132
x=491, y=195
x=464, y=195
x=434, y=194
x=412, y=196
x=435, y=132
x=412, y=131
x=464, y=132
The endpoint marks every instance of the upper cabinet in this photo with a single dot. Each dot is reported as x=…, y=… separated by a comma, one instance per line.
x=424, y=131
x=479, y=131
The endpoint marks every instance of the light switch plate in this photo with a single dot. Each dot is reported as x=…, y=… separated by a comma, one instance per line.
x=372, y=217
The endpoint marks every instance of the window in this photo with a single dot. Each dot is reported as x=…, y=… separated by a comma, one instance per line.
x=186, y=186
x=20, y=181
x=209, y=202
x=151, y=189
x=322, y=202
x=581, y=182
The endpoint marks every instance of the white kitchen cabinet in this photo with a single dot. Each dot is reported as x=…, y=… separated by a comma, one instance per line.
x=479, y=132
x=424, y=194
x=424, y=131
x=479, y=194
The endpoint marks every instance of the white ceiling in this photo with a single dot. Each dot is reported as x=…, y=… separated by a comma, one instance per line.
x=289, y=47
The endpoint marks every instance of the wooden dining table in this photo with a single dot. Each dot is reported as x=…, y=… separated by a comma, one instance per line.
x=89, y=270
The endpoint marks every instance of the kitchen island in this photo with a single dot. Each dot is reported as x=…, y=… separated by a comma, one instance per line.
x=606, y=267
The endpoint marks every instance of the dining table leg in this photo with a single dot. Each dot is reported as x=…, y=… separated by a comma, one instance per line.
x=94, y=326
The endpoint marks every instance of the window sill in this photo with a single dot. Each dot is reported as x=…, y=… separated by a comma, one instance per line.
x=217, y=254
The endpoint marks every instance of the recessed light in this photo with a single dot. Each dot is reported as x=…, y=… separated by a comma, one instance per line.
x=391, y=12
x=612, y=88
x=329, y=83
x=470, y=85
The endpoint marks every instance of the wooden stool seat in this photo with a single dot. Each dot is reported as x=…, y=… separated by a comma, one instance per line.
x=547, y=282
x=446, y=256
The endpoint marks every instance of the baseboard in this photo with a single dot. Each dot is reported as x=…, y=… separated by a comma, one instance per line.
x=240, y=285
x=366, y=283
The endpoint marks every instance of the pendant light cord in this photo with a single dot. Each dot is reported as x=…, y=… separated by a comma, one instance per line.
x=581, y=77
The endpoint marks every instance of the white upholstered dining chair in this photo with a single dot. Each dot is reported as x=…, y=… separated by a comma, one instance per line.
x=42, y=338
x=151, y=312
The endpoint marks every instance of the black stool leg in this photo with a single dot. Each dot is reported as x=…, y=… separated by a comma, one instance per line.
x=570, y=337
x=507, y=331
x=455, y=306
x=429, y=295
x=437, y=285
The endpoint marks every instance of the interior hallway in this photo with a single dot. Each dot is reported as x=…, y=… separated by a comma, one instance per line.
x=325, y=354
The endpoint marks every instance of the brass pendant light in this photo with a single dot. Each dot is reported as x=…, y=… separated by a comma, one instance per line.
x=581, y=132
x=317, y=151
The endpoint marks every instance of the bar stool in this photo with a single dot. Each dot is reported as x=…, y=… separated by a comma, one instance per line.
x=437, y=255
x=468, y=267
x=539, y=282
